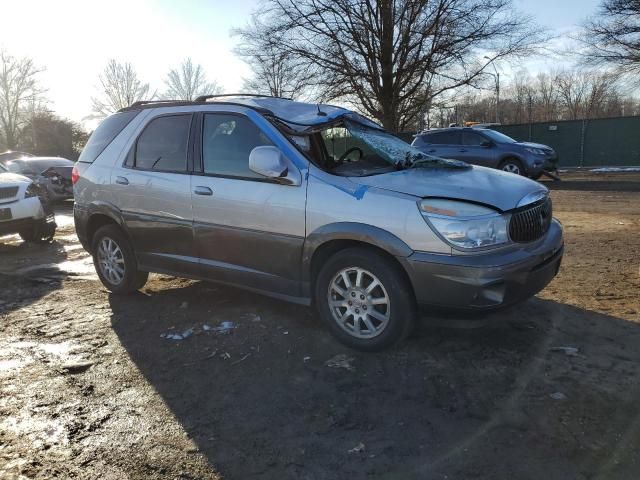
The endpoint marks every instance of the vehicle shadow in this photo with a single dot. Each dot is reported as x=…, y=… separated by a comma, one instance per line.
x=20, y=283
x=270, y=399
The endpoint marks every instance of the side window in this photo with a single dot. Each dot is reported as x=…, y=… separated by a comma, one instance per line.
x=472, y=139
x=227, y=141
x=104, y=135
x=450, y=138
x=163, y=144
x=444, y=138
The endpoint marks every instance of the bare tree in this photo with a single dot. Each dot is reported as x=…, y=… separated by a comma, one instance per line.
x=119, y=88
x=275, y=71
x=18, y=91
x=613, y=36
x=189, y=81
x=390, y=58
x=572, y=91
x=547, y=108
x=564, y=95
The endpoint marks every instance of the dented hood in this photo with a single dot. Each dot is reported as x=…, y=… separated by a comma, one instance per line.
x=499, y=189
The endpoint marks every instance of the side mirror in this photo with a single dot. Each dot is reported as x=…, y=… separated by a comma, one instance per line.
x=269, y=162
x=486, y=144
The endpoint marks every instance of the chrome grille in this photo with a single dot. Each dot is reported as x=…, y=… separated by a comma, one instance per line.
x=531, y=223
x=8, y=192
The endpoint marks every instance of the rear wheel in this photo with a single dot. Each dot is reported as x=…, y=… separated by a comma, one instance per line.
x=512, y=165
x=115, y=261
x=365, y=299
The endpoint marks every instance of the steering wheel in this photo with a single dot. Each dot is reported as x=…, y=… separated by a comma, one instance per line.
x=346, y=154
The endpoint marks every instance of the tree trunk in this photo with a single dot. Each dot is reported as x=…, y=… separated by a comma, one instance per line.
x=387, y=93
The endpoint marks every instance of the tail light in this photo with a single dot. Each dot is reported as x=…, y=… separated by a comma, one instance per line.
x=75, y=175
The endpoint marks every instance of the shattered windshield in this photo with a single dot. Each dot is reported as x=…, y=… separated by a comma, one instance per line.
x=358, y=150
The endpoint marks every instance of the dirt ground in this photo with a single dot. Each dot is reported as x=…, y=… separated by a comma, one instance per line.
x=91, y=387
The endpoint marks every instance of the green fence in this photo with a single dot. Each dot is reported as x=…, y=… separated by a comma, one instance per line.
x=581, y=143
x=585, y=143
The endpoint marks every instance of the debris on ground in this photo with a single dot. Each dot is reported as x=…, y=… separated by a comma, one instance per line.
x=306, y=359
x=242, y=359
x=558, y=396
x=341, y=361
x=253, y=317
x=569, y=351
x=76, y=367
x=357, y=449
x=178, y=336
x=184, y=305
x=223, y=328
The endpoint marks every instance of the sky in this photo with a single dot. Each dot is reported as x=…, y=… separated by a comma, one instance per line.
x=73, y=40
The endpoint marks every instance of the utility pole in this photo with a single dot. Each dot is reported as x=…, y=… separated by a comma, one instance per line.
x=497, y=96
x=496, y=77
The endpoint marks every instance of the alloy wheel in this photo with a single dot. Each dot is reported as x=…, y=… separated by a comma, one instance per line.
x=359, y=302
x=511, y=168
x=111, y=261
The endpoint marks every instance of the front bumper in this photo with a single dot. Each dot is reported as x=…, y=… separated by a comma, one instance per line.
x=486, y=281
x=16, y=226
x=537, y=164
x=551, y=163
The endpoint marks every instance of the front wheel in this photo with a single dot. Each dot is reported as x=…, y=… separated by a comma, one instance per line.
x=42, y=231
x=512, y=165
x=365, y=299
x=115, y=261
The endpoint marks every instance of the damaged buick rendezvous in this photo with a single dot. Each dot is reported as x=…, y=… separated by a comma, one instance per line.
x=309, y=203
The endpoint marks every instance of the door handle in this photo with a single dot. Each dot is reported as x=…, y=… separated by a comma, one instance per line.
x=463, y=150
x=200, y=190
x=122, y=180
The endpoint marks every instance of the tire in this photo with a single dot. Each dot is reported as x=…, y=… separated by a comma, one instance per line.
x=393, y=320
x=111, y=249
x=513, y=165
x=41, y=232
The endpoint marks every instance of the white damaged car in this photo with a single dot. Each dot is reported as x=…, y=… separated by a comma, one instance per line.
x=21, y=209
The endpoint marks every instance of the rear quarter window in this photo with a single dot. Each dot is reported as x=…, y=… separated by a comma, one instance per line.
x=420, y=140
x=104, y=135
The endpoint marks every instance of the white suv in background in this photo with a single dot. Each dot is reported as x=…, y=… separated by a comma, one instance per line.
x=22, y=211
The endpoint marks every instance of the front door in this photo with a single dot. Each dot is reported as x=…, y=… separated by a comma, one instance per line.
x=249, y=229
x=476, y=150
x=153, y=191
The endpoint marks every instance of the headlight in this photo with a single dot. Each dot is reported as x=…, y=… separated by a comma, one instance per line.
x=536, y=151
x=465, y=225
x=32, y=191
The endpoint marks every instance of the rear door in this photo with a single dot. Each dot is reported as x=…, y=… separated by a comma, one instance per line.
x=249, y=230
x=153, y=191
x=445, y=144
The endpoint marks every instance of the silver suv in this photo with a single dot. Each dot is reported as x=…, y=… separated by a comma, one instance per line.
x=308, y=203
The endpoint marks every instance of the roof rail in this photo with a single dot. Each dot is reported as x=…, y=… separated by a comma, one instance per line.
x=147, y=102
x=204, y=98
